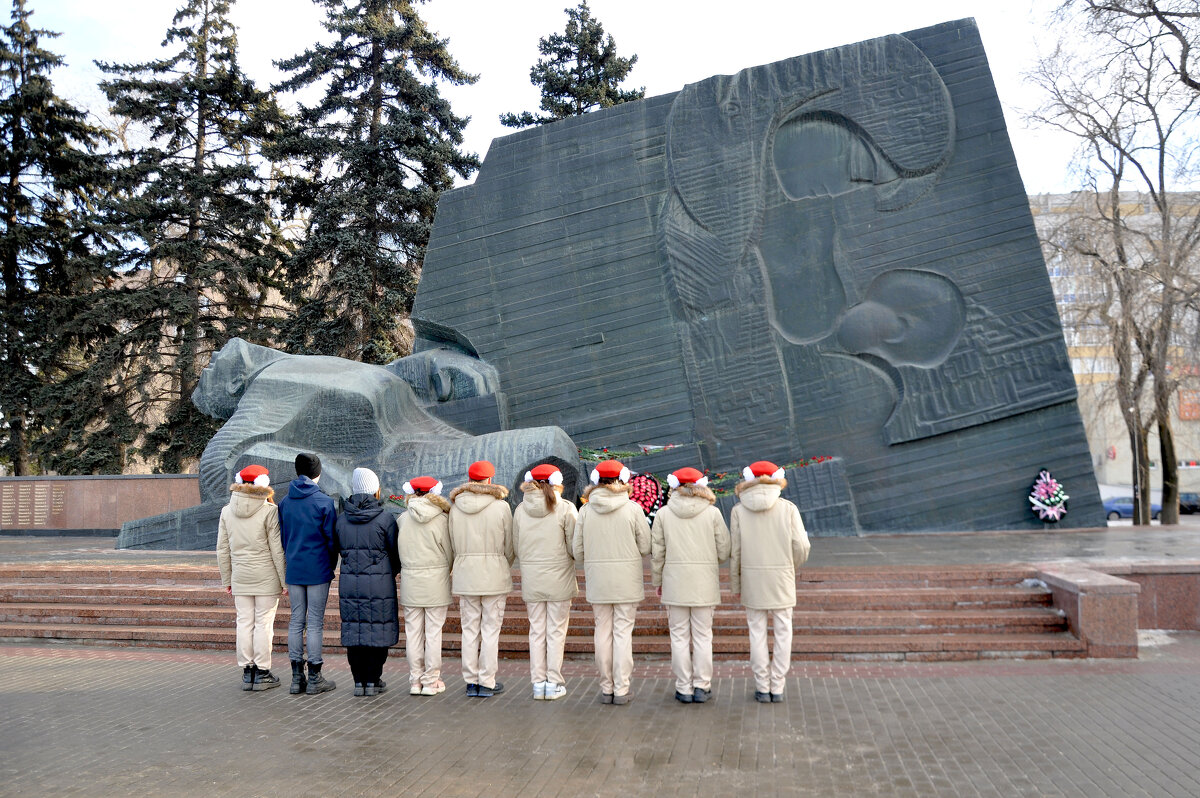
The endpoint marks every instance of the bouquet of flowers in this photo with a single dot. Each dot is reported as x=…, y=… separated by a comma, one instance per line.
x=1048, y=498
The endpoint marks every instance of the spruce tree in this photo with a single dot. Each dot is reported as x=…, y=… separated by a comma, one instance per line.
x=379, y=147
x=49, y=173
x=580, y=71
x=200, y=248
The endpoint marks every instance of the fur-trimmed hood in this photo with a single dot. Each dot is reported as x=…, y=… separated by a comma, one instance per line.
x=760, y=494
x=472, y=497
x=606, y=498
x=534, y=501
x=248, y=498
x=688, y=500
x=426, y=508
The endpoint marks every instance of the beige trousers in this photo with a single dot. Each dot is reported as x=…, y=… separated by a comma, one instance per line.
x=255, y=628
x=691, y=647
x=481, y=617
x=423, y=643
x=769, y=673
x=547, y=638
x=614, y=646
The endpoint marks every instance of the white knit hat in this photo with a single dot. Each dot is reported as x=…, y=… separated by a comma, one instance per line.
x=364, y=481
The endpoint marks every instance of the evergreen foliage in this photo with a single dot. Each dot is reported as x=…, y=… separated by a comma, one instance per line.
x=46, y=228
x=378, y=148
x=580, y=71
x=199, y=248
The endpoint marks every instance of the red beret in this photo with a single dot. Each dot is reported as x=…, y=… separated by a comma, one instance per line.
x=423, y=484
x=610, y=469
x=763, y=468
x=685, y=476
x=481, y=470
x=253, y=474
x=544, y=472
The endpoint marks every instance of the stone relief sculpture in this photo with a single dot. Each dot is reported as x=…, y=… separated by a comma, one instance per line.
x=828, y=255
x=353, y=414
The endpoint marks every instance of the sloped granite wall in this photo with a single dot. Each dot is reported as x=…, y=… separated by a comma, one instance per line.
x=829, y=255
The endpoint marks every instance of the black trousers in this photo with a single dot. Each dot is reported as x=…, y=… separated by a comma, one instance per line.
x=366, y=662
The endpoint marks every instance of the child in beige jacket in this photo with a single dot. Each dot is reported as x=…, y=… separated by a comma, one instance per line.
x=250, y=558
x=481, y=533
x=689, y=541
x=611, y=538
x=542, y=528
x=426, y=556
x=769, y=544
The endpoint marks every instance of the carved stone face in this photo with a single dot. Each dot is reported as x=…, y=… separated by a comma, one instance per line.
x=224, y=380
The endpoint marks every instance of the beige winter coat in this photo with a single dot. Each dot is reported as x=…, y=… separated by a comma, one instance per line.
x=769, y=544
x=689, y=542
x=481, y=534
x=542, y=539
x=611, y=538
x=426, y=552
x=249, y=552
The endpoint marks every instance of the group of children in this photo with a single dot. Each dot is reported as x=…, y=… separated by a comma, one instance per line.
x=465, y=546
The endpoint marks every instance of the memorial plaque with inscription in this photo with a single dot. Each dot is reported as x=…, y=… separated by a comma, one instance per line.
x=828, y=255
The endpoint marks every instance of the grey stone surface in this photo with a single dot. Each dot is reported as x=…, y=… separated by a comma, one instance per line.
x=829, y=255
x=353, y=415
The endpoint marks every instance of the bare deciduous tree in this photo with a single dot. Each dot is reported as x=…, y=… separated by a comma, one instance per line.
x=1135, y=119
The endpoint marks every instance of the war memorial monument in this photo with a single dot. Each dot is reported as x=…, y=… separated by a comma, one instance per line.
x=830, y=255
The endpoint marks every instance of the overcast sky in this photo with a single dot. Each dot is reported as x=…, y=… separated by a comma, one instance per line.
x=676, y=42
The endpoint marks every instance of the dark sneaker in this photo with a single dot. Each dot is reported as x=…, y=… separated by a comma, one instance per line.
x=265, y=680
x=472, y=690
x=360, y=688
x=485, y=692
x=776, y=698
x=248, y=678
x=606, y=698
x=622, y=700
x=369, y=688
x=700, y=695
x=499, y=688
x=381, y=686
x=762, y=698
x=683, y=698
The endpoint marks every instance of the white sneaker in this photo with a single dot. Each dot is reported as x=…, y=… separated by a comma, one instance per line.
x=437, y=688
x=554, y=691
x=414, y=685
x=539, y=690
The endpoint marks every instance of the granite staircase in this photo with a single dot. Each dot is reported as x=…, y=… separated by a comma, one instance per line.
x=914, y=613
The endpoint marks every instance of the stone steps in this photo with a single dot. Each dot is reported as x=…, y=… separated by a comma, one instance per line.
x=954, y=612
x=727, y=621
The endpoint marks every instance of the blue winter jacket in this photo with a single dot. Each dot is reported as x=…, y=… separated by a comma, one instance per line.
x=306, y=523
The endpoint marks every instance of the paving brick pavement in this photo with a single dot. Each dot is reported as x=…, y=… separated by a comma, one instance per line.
x=102, y=722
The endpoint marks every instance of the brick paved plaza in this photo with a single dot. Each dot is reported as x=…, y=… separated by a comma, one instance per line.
x=97, y=722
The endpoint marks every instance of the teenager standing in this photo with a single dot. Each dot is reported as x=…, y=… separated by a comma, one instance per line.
x=689, y=541
x=250, y=558
x=611, y=538
x=769, y=544
x=481, y=533
x=542, y=528
x=426, y=555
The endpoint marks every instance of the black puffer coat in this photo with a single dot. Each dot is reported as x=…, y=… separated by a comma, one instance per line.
x=366, y=538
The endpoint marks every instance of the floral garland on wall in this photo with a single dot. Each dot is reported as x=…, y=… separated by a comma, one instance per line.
x=1048, y=498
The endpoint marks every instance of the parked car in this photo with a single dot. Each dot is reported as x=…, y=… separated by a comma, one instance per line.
x=1189, y=503
x=1122, y=507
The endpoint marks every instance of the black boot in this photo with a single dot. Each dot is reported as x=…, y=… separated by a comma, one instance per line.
x=299, y=683
x=248, y=678
x=265, y=680
x=316, y=682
